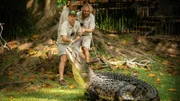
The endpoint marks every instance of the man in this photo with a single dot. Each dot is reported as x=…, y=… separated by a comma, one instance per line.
x=87, y=20
x=70, y=31
x=64, y=15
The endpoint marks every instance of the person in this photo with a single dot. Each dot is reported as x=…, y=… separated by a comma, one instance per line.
x=72, y=5
x=87, y=20
x=70, y=31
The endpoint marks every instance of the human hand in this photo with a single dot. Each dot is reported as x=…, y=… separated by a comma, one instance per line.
x=82, y=30
x=78, y=37
x=71, y=40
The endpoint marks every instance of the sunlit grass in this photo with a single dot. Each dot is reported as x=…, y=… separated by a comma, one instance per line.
x=167, y=81
x=57, y=93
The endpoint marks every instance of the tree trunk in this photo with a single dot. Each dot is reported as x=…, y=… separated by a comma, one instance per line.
x=49, y=12
x=47, y=9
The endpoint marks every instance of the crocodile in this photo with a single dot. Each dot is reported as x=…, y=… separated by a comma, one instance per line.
x=107, y=85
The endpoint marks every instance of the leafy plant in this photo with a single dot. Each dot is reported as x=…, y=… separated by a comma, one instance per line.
x=36, y=1
x=113, y=23
x=60, y=3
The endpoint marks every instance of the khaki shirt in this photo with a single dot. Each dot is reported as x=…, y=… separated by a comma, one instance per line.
x=66, y=29
x=89, y=22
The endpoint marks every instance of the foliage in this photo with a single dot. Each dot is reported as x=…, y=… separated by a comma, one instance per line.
x=111, y=23
x=18, y=21
x=36, y=1
x=61, y=3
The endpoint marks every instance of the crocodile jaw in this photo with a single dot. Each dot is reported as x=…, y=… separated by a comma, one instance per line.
x=76, y=61
x=80, y=69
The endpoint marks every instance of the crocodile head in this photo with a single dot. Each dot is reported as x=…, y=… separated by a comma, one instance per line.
x=76, y=61
x=80, y=68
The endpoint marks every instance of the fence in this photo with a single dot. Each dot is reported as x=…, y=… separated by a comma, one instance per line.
x=146, y=17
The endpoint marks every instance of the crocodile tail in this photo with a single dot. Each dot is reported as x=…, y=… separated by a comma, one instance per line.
x=145, y=92
x=138, y=92
x=134, y=88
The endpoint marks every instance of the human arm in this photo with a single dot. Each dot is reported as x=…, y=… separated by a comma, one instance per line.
x=91, y=25
x=60, y=23
x=86, y=30
x=79, y=35
x=63, y=17
x=65, y=39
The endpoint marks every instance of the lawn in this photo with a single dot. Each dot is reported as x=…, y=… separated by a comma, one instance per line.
x=40, y=83
x=164, y=79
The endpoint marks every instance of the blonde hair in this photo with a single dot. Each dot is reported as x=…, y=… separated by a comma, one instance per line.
x=87, y=5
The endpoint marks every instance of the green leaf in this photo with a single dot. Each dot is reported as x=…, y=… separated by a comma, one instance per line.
x=36, y=1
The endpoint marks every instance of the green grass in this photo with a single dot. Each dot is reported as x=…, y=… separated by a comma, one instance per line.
x=38, y=92
x=167, y=81
x=54, y=92
x=58, y=93
x=44, y=94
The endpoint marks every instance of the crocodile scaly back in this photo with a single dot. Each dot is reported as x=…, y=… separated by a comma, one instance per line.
x=108, y=85
x=114, y=86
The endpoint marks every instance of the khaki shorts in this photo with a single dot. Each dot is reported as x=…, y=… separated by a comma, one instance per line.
x=62, y=48
x=86, y=41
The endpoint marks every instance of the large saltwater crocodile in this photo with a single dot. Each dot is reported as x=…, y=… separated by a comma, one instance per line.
x=107, y=85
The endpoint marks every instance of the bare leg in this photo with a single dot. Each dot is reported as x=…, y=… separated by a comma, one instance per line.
x=87, y=55
x=62, y=64
x=82, y=55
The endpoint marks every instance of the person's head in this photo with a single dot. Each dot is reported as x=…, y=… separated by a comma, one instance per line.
x=73, y=5
x=72, y=16
x=86, y=9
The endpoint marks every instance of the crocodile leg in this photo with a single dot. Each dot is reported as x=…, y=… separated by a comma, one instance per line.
x=92, y=93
